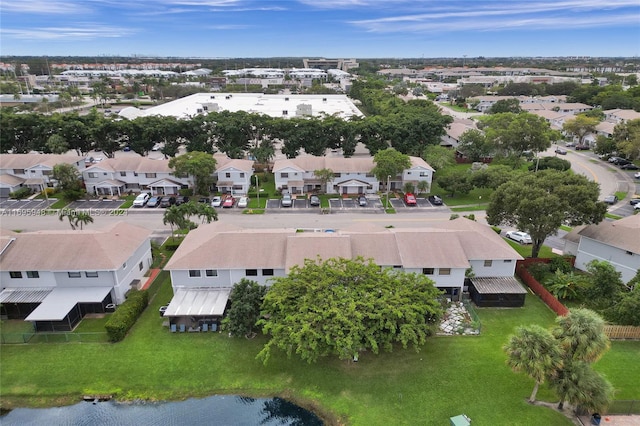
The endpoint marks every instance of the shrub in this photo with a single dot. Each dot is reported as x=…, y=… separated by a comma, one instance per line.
x=126, y=315
x=496, y=229
x=187, y=192
x=21, y=193
x=560, y=264
x=171, y=246
x=539, y=270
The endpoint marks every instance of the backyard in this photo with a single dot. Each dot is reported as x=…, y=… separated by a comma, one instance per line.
x=449, y=376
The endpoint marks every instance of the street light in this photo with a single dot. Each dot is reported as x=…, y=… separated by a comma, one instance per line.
x=258, y=190
x=388, y=179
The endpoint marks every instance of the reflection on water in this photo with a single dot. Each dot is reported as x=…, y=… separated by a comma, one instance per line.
x=215, y=410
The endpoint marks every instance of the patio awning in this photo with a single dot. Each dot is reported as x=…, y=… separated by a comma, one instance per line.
x=60, y=301
x=198, y=302
x=34, y=181
x=24, y=295
x=498, y=285
x=109, y=183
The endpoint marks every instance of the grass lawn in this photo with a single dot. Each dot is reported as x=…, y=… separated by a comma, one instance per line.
x=621, y=195
x=612, y=216
x=449, y=376
x=525, y=250
x=128, y=201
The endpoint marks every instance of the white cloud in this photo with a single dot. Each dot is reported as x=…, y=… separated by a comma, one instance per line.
x=86, y=32
x=43, y=7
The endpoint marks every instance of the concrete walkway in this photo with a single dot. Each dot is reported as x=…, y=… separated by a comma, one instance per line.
x=613, y=420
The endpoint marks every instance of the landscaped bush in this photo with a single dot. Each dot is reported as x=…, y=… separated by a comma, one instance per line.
x=21, y=193
x=539, y=270
x=171, y=246
x=126, y=315
x=560, y=264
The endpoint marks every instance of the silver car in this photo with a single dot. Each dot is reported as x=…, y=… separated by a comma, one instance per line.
x=519, y=236
x=286, y=201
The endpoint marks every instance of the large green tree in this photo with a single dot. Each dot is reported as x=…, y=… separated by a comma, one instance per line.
x=539, y=203
x=505, y=105
x=389, y=162
x=340, y=307
x=534, y=351
x=475, y=145
x=68, y=181
x=200, y=165
x=627, y=136
x=246, y=299
x=439, y=157
x=580, y=126
x=512, y=134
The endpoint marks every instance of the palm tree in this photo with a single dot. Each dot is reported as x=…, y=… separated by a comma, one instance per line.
x=581, y=335
x=206, y=213
x=82, y=219
x=581, y=386
x=423, y=186
x=174, y=217
x=69, y=214
x=534, y=351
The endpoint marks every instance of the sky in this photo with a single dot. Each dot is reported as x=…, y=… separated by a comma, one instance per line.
x=320, y=28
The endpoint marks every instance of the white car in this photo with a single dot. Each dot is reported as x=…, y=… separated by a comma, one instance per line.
x=141, y=200
x=243, y=202
x=636, y=175
x=519, y=236
x=216, y=201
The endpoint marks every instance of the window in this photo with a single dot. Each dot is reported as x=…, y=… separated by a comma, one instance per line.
x=15, y=274
x=194, y=273
x=251, y=272
x=507, y=261
x=488, y=263
x=74, y=274
x=33, y=274
x=150, y=175
x=140, y=266
x=284, y=175
x=47, y=172
x=241, y=175
x=124, y=265
x=424, y=174
x=427, y=271
x=18, y=171
x=267, y=272
x=123, y=173
x=227, y=175
x=211, y=273
x=444, y=271
x=336, y=175
x=92, y=175
x=92, y=274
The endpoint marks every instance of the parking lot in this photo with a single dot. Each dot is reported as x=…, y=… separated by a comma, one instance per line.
x=95, y=204
x=374, y=205
x=27, y=204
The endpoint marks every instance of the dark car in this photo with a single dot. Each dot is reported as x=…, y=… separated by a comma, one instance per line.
x=561, y=151
x=153, y=202
x=634, y=201
x=181, y=200
x=314, y=200
x=362, y=201
x=167, y=202
x=435, y=200
x=582, y=147
x=204, y=200
x=611, y=199
x=629, y=166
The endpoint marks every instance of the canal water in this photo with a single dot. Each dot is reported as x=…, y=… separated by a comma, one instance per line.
x=227, y=410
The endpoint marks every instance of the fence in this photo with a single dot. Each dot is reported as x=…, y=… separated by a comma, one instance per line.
x=624, y=407
x=59, y=337
x=622, y=332
x=472, y=313
x=537, y=288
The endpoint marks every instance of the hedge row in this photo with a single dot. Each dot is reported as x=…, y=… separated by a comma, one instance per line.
x=126, y=315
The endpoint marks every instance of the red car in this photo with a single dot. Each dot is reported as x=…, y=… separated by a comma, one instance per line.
x=410, y=199
x=228, y=202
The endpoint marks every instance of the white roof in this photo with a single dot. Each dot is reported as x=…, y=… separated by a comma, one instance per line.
x=258, y=103
x=198, y=302
x=61, y=300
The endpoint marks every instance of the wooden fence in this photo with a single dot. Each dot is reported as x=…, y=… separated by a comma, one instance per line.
x=537, y=288
x=622, y=332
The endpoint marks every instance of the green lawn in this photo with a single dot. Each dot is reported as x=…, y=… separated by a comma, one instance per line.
x=621, y=195
x=451, y=375
x=525, y=250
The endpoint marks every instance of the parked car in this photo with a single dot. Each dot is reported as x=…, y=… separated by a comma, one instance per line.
x=228, y=202
x=181, y=200
x=636, y=175
x=636, y=207
x=634, y=201
x=435, y=200
x=619, y=161
x=153, y=202
x=362, y=201
x=243, y=202
x=286, y=200
x=611, y=199
x=204, y=200
x=582, y=147
x=629, y=166
x=410, y=199
x=141, y=200
x=167, y=202
x=570, y=144
x=561, y=151
x=216, y=201
x=519, y=236
x=314, y=200
x=163, y=309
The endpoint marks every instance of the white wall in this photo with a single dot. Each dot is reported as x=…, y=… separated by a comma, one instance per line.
x=132, y=271
x=46, y=279
x=498, y=268
x=455, y=279
x=225, y=278
x=588, y=250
